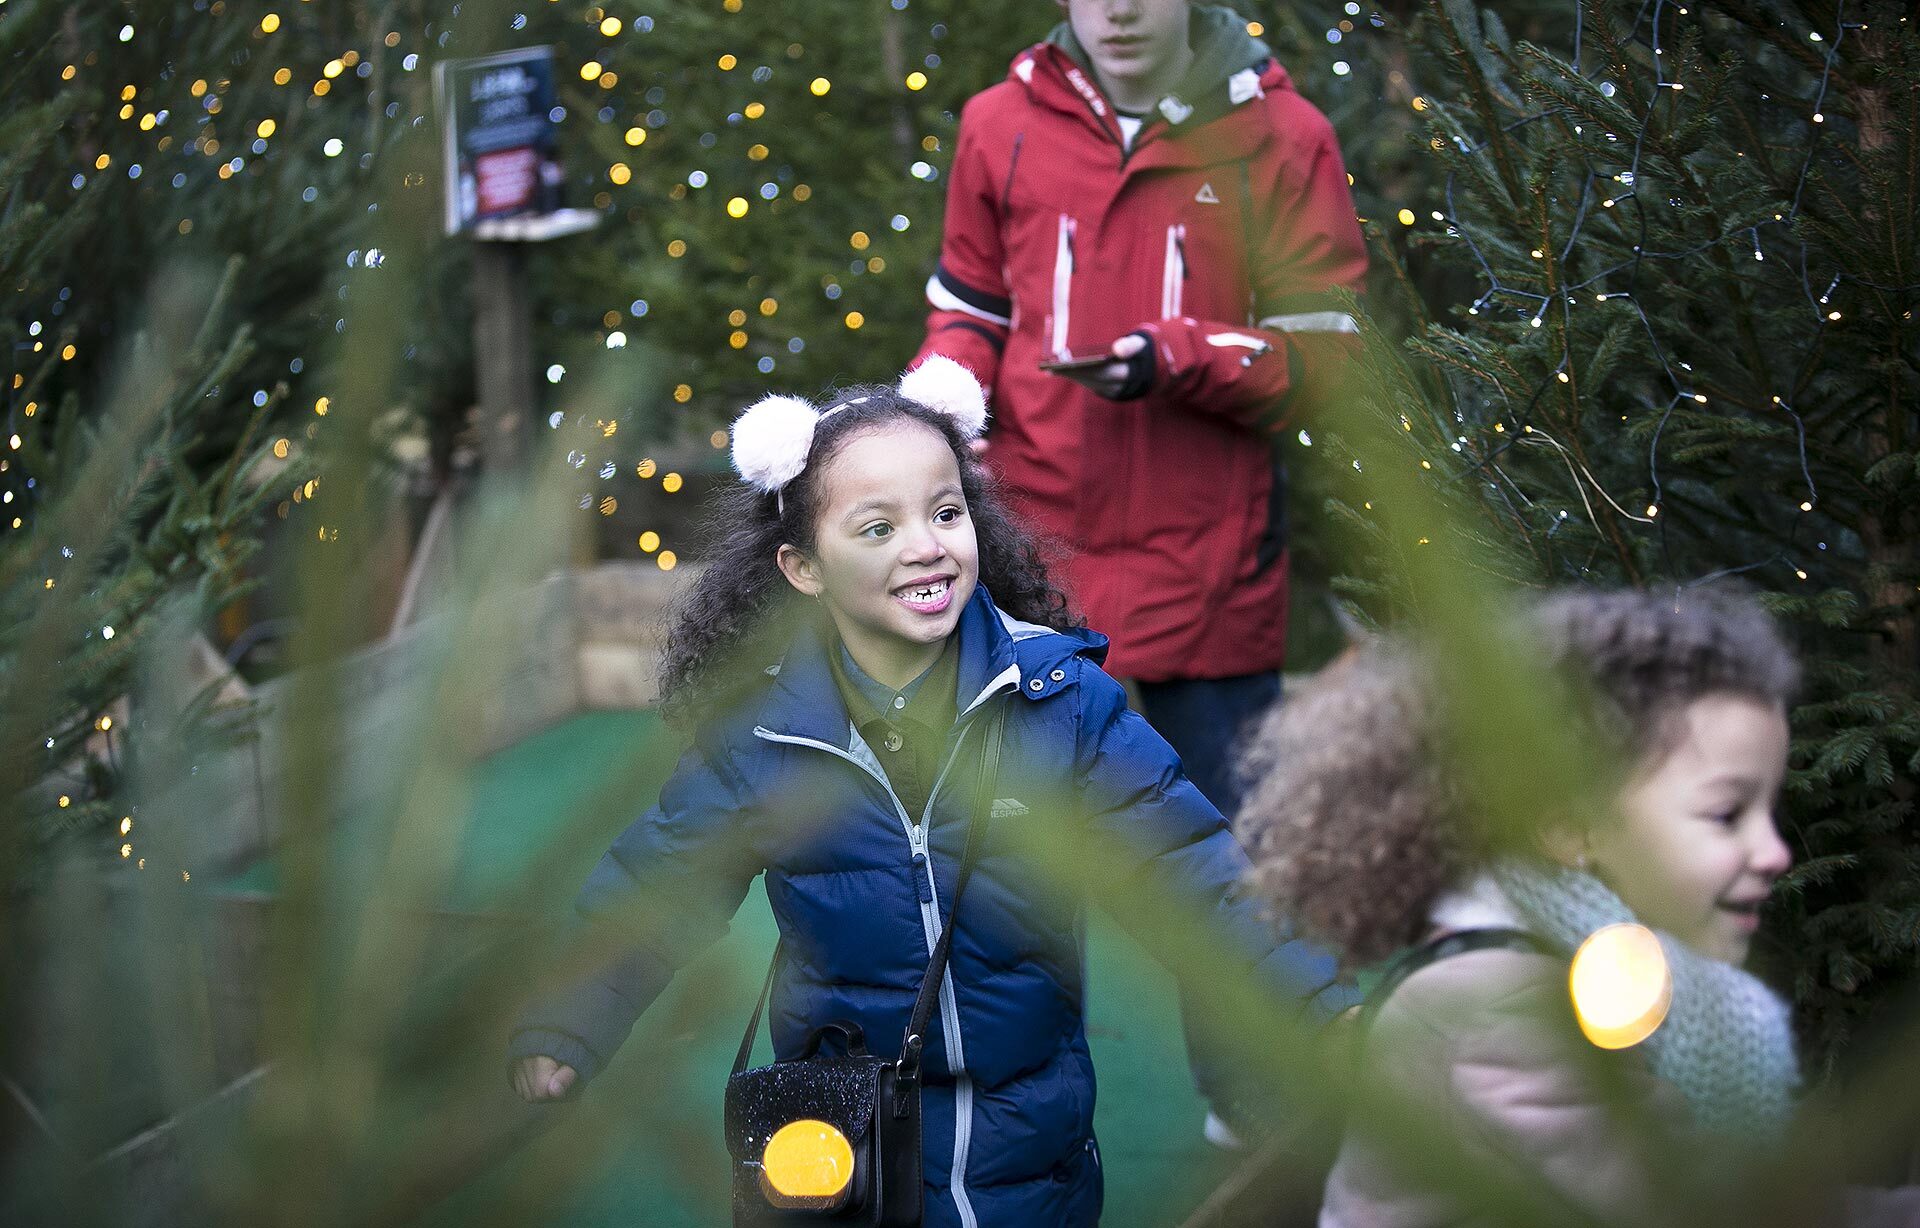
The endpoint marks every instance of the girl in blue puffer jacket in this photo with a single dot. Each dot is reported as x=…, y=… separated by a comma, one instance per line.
x=830, y=664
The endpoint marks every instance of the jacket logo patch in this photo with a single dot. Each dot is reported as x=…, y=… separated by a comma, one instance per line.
x=1009, y=807
x=1206, y=195
x=1175, y=110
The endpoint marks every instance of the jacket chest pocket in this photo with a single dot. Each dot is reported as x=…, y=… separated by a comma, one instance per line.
x=1043, y=248
x=1207, y=250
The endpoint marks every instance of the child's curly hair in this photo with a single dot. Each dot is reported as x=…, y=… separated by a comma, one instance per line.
x=1353, y=818
x=739, y=615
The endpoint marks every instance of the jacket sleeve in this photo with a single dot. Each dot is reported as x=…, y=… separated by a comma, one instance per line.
x=1308, y=247
x=970, y=306
x=672, y=881
x=1160, y=846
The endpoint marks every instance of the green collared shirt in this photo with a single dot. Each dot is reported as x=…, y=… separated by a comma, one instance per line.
x=907, y=729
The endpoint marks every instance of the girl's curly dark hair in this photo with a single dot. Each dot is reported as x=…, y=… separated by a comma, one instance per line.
x=1353, y=818
x=740, y=614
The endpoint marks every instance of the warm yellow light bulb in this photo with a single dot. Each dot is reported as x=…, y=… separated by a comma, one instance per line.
x=1620, y=985
x=807, y=1164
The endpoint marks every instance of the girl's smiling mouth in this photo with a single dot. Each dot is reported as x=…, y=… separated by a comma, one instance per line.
x=930, y=595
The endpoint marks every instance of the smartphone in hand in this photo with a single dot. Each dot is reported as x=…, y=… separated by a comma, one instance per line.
x=1078, y=366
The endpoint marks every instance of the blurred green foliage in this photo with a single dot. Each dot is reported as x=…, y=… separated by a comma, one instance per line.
x=334, y=1058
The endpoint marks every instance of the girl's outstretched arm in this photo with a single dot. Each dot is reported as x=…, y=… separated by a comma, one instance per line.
x=670, y=884
x=1173, y=871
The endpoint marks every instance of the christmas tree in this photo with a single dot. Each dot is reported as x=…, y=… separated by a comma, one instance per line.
x=1688, y=353
x=147, y=357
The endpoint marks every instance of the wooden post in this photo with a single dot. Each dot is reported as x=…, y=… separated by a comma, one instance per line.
x=503, y=353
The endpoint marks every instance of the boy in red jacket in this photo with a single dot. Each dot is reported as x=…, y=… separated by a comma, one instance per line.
x=1146, y=186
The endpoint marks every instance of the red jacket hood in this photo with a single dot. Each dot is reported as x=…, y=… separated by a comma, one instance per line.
x=1055, y=87
x=1231, y=67
x=1219, y=126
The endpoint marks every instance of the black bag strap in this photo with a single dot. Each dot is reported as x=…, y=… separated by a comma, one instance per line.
x=753, y=1024
x=1459, y=942
x=937, y=965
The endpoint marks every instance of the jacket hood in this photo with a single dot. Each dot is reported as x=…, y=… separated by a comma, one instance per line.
x=1222, y=49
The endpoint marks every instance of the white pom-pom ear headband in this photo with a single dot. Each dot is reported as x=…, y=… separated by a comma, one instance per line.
x=772, y=437
x=942, y=384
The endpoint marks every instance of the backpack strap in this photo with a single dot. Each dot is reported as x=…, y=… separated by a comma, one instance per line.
x=1459, y=942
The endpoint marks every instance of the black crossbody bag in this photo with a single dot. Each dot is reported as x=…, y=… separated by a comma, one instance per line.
x=836, y=1140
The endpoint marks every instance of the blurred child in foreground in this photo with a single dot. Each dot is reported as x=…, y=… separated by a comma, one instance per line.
x=1363, y=830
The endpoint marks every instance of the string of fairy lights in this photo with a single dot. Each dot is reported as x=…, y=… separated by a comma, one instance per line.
x=160, y=126
x=750, y=324
x=156, y=111
x=1535, y=306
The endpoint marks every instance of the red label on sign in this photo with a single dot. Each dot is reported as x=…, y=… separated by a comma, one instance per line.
x=506, y=179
